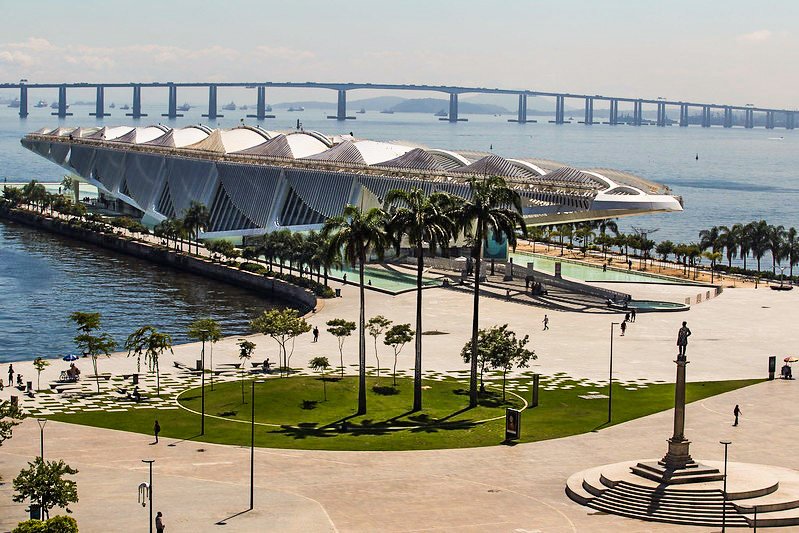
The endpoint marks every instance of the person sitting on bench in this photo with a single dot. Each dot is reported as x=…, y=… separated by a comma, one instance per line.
x=786, y=372
x=135, y=395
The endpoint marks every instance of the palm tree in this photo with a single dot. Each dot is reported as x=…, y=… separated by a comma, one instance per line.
x=759, y=240
x=196, y=219
x=427, y=222
x=151, y=343
x=584, y=233
x=493, y=211
x=745, y=240
x=728, y=239
x=713, y=256
x=353, y=235
x=664, y=249
x=792, y=249
x=708, y=238
x=776, y=245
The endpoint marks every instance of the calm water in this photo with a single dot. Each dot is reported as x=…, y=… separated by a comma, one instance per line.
x=741, y=175
x=43, y=278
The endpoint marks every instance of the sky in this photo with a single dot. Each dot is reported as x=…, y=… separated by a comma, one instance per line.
x=719, y=51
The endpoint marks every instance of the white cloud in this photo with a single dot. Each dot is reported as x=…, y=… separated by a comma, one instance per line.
x=755, y=36
x=283, y=52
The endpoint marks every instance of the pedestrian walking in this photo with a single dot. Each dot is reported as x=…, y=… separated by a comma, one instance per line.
x=159, y=523
x=623, y=328
x=632, y=315
x=737, y=413
x=682, y=339
x=627, y=317
x=156, y=430
x=546, y=322
x=10, y=375
x=315, y=333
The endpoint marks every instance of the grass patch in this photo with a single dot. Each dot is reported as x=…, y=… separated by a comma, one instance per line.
x=298, y=416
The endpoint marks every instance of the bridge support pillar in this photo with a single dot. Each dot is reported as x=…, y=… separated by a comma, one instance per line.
x=23, y=101
x=260, y=106
x=136, y=109
x=637, y=113
x=172, y=111
x=727, y=117
x=705, y=116
x=613, y=116
x=560, y=108
x=589, y=111
x=683, y=115
x=749, y=119
x=212, y=114
x=62, y=103
x=99, y=104
x=790, y=120
x=521, y=114
x=341, y=108
x=769, y=120
x=661, y=121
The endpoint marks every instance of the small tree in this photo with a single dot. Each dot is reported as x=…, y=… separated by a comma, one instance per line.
x=40, y=364
x=501, y=349
x=206, y=330
x=151, y=343
x=341, y=329
x=246, y=348
x=396, y=337
x=44, y=482
x=376, y=326
x=320, y=364
x=93, y=345
x=283, y=325
x=10, y=416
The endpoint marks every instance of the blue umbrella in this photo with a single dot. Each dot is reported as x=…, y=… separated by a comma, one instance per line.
x=70, y=357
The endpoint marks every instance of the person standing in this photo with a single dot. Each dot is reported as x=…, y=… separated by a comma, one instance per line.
x=736, y=412
x=156, y=430
x=10, y=375
x=682, y=339
x=159, y=522
x=623, y=328
x=315, y=333
x=632, y=314
x=546, y=322
x=627, y=317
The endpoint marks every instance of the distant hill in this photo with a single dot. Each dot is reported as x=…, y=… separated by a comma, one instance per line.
x=378, y=103
x=434, y=105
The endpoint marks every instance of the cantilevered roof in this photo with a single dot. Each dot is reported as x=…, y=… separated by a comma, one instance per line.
x=142, y=135
x=344, y=152
x=416, y=159
x=492, y=165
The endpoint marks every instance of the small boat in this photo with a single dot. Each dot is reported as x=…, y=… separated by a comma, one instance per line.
x=268, y=108
x=361, y=111
x=41, y=103
x=441, y=113
x=54, y=105
x=125, y=107
x=244, y=107
x=296, y=108
x=229, y=107
x=14, y=103
x=387, y=112
x=184, y=107
x=113, y=105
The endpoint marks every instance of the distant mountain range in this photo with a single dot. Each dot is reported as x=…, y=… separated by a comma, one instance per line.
x=402, y=105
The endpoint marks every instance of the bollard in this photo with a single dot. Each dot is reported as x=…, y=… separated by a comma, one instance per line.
x=536, y=380
x=198, y=365
x=772, y=366
x=135, y=379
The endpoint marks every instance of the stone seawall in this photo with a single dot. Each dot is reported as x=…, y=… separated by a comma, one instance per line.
x=301, y=298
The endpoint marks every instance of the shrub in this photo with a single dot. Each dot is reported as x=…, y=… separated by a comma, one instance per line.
x=56, y=524
x=253, y=267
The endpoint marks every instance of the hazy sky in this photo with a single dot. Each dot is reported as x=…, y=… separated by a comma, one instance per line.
x=717, y=51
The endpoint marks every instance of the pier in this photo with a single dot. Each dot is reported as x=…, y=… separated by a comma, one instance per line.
x=687, y=112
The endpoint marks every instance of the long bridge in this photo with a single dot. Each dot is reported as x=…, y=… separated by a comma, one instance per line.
x=705, y=114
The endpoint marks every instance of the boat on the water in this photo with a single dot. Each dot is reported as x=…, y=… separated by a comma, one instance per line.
x=268, y=108
x=244, y=107
x=387, y=112
x=54, y=105
x=14, y=103
x=184, y=107
x=229, y=107
x=441, y=113
x=361, y=111
x=296, y=108
x=125, y=107
x=113, y=105
x=41, y=103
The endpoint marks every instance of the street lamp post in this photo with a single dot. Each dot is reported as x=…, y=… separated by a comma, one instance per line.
x=610, y=374
x=726, y=443
x=150, y=490
x=202, y=386
x=42, y=422
x=252, y=443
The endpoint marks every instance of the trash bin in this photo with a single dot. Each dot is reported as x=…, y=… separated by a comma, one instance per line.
x=199, y=364
x=14, y=400
x=29, y=386
x=135, y=379
x=338, y=293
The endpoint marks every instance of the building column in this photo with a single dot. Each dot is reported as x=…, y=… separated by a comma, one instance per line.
x=99, y=103
x=212, y=114
x=62, y=103
x=172, y=112
x=136, y=110
x=589, y=111
x=23, y=101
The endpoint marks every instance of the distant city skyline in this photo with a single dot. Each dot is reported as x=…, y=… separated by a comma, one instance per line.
x=732, y=52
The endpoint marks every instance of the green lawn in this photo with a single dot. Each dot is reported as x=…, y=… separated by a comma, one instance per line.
x=296, y=416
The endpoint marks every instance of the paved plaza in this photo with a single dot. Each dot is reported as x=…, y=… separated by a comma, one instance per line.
x=516, y=489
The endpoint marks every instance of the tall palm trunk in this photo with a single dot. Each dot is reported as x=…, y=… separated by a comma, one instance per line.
x=475, y=322
x=362, y=340
x=417, y=369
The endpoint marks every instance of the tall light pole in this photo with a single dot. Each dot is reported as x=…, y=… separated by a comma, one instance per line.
x=252, y=443
x=610, y=374
x=42, y=422
x=726, y=443
x=150, y=490
x=202, y=384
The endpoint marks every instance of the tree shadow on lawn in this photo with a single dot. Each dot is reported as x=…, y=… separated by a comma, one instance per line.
x=486, y=398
